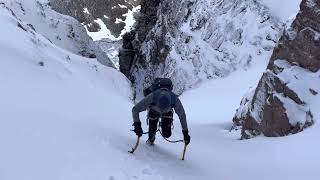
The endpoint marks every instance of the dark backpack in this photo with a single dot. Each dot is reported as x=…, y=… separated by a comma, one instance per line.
x=163, y=83
x=159, y=83
x=163, y=97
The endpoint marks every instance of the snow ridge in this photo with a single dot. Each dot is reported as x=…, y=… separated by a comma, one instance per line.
x=61, y=30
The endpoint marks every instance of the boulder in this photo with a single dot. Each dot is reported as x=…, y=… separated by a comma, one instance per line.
x=279, y=106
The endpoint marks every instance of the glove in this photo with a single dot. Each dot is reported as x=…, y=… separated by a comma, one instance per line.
x=186, y=136
x=137, y=128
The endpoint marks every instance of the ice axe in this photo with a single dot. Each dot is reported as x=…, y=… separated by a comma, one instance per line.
x=135, y=146
x=184, y=151
x=137, y=143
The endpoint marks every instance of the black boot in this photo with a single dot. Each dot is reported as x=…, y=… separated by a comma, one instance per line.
x=153, y=127
x=166, y=124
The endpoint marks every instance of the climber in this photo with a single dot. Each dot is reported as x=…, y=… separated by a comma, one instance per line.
x=160, y=101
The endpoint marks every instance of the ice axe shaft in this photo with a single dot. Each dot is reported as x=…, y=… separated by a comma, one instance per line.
x=135, y=146
x=184, y=152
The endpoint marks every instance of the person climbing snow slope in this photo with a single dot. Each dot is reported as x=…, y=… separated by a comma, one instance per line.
x=160, y=101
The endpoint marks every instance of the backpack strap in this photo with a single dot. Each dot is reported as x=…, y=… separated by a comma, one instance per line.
x=173, y=100
x=155, y=97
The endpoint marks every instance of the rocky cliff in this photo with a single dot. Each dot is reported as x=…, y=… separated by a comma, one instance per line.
x=111, y=12
x=280, y=105
x=191, y=41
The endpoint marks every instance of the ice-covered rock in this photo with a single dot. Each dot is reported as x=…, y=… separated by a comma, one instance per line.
x=281, y=103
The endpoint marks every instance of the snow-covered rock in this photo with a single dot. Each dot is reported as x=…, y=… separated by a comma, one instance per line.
x=106, y=16
x=61, y=30
x=283, y=101
x=192, y=41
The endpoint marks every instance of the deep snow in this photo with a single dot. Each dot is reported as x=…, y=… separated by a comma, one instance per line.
x=70, y=120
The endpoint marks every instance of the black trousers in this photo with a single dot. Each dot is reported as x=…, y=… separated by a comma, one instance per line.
x=166, y=122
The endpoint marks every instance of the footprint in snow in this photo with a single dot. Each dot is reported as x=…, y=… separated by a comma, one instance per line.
x=111, y=178
x=147, y=171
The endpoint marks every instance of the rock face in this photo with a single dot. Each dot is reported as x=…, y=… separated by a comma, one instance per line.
x=87, y=11
x=280, y=104
x=130, y=51
x=191, y=41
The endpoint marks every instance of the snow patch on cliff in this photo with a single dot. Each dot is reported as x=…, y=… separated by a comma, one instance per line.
x=105, y=33
x=286, y=10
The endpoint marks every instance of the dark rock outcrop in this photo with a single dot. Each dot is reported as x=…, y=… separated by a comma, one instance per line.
x=279, y=106
x=106, y=10
x=127, y=54
x=130, y=51
x=301, y=43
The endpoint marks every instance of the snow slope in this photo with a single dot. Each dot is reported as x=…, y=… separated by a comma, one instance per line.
x=50, y=128
x=70, y=118
x=61, y=30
